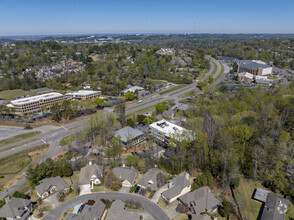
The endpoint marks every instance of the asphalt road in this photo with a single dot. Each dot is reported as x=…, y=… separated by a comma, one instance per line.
x=155, y=211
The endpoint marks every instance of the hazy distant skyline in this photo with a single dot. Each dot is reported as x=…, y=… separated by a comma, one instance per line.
x=54, y=17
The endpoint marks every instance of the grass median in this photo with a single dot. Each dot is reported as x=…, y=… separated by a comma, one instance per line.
x=18, y=138
x=172, y=89
x=150, y=108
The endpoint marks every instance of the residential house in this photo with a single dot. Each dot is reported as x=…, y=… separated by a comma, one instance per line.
x=118, y=211
x=51, y=185
x=178, y=186
x=274, y=208
x=91, y=212
x=16, y=208
x=149, y=179
x=91, y=174
x=200, y=200
x=129, y=136
x=126, y=174
x=182, y=107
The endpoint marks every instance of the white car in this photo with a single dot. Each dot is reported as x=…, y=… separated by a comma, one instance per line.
x=140, y=101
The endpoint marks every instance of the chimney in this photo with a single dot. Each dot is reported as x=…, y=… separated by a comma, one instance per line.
x=7, y=199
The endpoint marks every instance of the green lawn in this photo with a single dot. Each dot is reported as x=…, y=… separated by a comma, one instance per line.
x=68, y=139
x=249, y=207
x=18, y=138
x=172, y=89
x=181, y=217
x=101, y=189
x=12, y=94
x=163, y=205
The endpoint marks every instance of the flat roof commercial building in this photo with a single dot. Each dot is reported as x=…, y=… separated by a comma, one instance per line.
x=254, y=67
x=163, y=130
x=83, y=94
x=33, y=104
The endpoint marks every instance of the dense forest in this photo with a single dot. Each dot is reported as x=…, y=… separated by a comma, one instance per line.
x=249, y=134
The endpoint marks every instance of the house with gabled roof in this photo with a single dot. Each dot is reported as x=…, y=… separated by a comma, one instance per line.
x=126, y=174
x=91, y=174
x=16, y=208
x=129, y=136
x=200, y=200
x=51, y=185
x=178, y=186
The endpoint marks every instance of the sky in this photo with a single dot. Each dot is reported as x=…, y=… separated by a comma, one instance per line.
x=55, y=17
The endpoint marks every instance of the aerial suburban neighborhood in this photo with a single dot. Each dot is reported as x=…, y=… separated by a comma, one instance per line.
x=147, y=110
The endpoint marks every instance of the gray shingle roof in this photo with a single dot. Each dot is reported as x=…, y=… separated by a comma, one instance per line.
x=149, y=179
x=128, y=133
x=15, y=207
x=179, y=183
x=200, y=199
x=47, y=183
x=260, y=194
x=126, y=173
x=89, y=212
x=117, y=212
x=252, y=65
x=88, y=171
x=275, y=208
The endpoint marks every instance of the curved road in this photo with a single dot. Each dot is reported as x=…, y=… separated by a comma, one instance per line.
x=155, y=211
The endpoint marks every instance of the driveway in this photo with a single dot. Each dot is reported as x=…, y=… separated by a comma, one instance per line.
x=157, y=195
x=155, y=211
x=125, y=189
x=53, y=200
x=85, y=189
x=171, y=212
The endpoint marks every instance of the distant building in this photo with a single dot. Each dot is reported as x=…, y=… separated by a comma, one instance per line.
x=166, y=51
x=83, y=94
x=163, y=130
x=245, y=77
x=129, y=136
x=52, y=185
x=126, y=174
x=17, y=208
x=200, y=200
x=133, y=89
x=91, y=174
x=262, y=80
x=28, y=105
x=254, y=67
x=274, y=208
x=178, y=186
